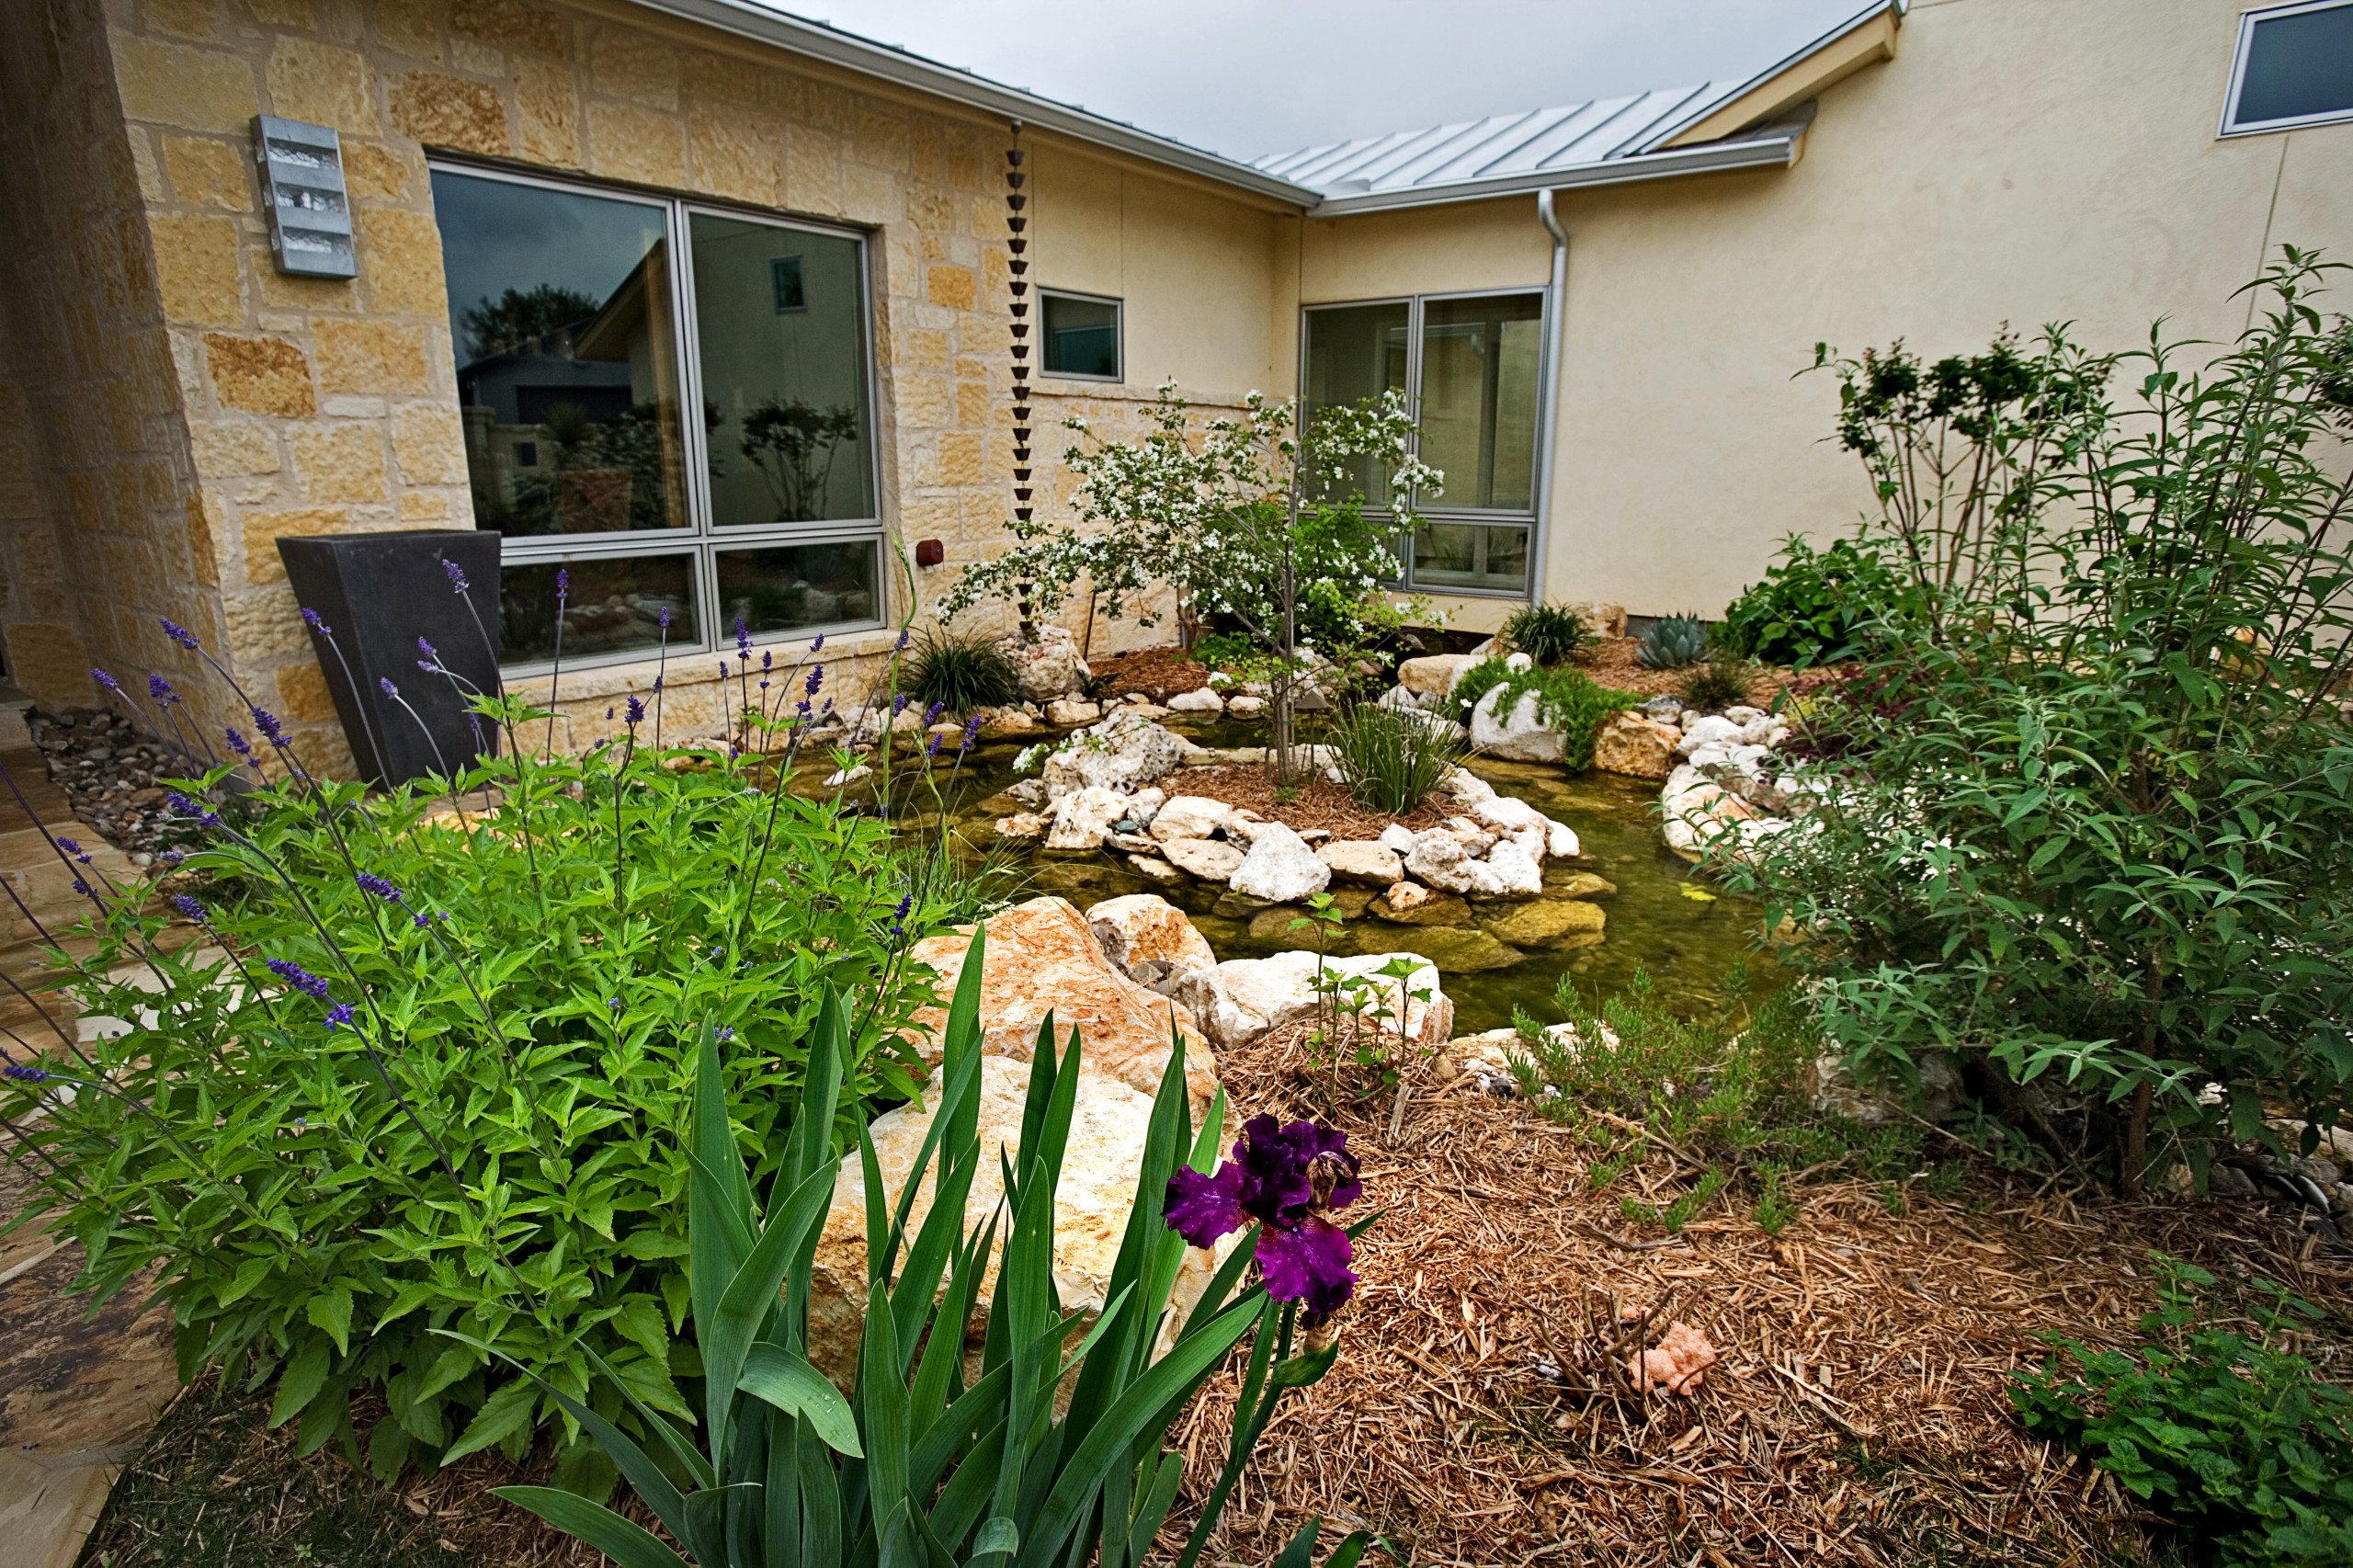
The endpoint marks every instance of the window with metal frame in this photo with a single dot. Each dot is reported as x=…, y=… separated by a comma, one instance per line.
x=1080, y=336
x=2293, y=67
x=1471, y=364
x=586, y=323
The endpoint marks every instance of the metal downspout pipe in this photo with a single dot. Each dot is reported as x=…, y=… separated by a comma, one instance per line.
x=1556, y=302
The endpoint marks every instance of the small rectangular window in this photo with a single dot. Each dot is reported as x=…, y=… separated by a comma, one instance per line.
x=2294, y=67
x=1081, y=335
x=784, y=276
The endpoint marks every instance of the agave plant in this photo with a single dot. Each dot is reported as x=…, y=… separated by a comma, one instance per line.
x=917, y=1466
x=1674, y=642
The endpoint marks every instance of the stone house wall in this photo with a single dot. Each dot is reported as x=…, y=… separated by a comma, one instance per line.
x=247, y=406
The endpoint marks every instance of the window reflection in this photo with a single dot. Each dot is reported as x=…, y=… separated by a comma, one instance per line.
x=1356, y=352
x=612, y=605
x=1480, y=360
x=1470, y=555
x=560, y=318
x=792, y=586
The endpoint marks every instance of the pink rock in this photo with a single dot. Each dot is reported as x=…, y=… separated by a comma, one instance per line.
x=1677, y=1365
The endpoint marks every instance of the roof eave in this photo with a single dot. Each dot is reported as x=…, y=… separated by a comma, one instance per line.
x=1659, y=137
x=1763, y=152
x=846, y=50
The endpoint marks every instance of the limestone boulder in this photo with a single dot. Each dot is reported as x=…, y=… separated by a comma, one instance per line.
x=1363, y=862
x=1048, y=666
x=1023, y=827
x=1084, y=816
x=1190, y=816
x=1073, y=710
x=1148, y=939
x=1241, y=999
x=1462, y=950
x=1202, y=700
x=1397, y=837
x=1144, y=805
x=1246, y=706
x=1601, y=618
x=1432, y=675
x=1280, y=867
x=1158, y=869
x=1204, y=857
x=1637, y=746
x=1125, y=751
x=1520, y=735
x=1440, y=860
x=1710, y=730
x=1410, y=904
x=1463, y=789
x=1043, y=957
x=1516, y=872
x=1550, y=923
x=1110, y=1122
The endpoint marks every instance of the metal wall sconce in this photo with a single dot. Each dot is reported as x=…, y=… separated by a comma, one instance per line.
x=310, y=209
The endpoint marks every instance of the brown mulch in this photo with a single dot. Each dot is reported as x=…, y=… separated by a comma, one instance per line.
x=1857, y=1413
x=1318, y=802
x=1613, y=662
x=1158, y=673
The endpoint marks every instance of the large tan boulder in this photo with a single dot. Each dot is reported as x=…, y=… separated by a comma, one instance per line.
x=1044, y=957
x=1362, y=861
x=1636, y=746
x=1212, y=860
x=1144, y=933
x=1110, y=1122
x=1433, y=675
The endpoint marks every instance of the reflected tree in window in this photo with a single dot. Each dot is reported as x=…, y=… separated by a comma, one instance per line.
x=792, y=442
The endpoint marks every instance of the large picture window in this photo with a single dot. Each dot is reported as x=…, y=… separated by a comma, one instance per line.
x=586, y=325
x=1472, y=365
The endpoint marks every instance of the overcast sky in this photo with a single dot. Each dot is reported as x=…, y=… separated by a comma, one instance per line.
x=1249, y=77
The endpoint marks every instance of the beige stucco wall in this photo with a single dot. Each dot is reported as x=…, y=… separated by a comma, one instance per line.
x=309, y=406
x=2017, y=160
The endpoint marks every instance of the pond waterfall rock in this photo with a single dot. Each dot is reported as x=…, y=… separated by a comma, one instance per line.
x=1440, y=859
x=1110, y=1122
x=1243, y=999
x=1049, y=667
x=1280, y=868
x=1637, y=746
x=1207, y=858
x=1044, y=957
x=1365, y=862
x=1201, y=699
x=1084, y=816
x=1148, y=939
x=1125, y=753
x=1190, y=816
x=1520, y=736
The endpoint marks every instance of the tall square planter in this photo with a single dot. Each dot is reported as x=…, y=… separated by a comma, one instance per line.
x=378, y=593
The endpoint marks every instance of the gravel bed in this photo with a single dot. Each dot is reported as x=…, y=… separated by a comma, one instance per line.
x=107, y=765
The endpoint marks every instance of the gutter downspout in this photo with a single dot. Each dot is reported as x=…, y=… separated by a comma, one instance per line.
x=1556, y=301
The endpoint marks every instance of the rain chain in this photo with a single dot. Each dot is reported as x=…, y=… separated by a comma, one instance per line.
x=1019, y=244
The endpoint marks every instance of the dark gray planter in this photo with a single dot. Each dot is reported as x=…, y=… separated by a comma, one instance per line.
x=378, y=593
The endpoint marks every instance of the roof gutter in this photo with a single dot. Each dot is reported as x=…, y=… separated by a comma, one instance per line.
x=1763, y=152
x=746, y=19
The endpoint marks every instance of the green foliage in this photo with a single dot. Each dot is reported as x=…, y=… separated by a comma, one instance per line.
x=920, y=1464
x=1392, y=760
x=1812, y=606
x=1730, y=1097
x=2240, y=1440
x=961, y=673
x=1360, y=1018
x=1566, y=699
x=519, y=315
x=483, y=1135
x=1721, y=682
x=1673, y=641
x=1548, y=634
x=2086, y=817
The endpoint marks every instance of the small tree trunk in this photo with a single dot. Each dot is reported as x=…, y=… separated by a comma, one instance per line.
x=2136, y=1142
x=1283, y=682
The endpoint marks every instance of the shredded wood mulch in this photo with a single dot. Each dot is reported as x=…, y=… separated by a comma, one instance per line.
x=1477, y=1416
x=1613, y=662
x=1158, y=673
x=1316, y=803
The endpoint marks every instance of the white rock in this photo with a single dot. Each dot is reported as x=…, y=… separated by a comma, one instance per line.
x=1049, y=667
x=1400, y=700
x=1158, y=869
x=1372, y=864
x=1203, y=700
x=1280, y=867
x=1744, y=714
x=1124, y=752
x=1713, y=730
x=1241, y=999
x=1560, y=840
x=1439, y=860
x=1073, y=710
x=1148, y=939
x=1203, y=858
x=1398, y=837
x=1518, y=662
x=1507, y=813
x=1022, y=825
x=1520, y=735
x=1247, y=706
x=1465, y=789
x=1758, y=732
x=1082, y=817
x=1748, y=760
x=1520, y=876
x=1190, y=816
x=1144, y=804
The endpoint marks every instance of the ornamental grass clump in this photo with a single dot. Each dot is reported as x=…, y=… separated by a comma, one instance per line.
x=1392, y=760
x=427, y=1067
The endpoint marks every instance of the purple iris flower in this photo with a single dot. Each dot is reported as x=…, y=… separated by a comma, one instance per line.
x=457, y=575
x=24, y=1074
x=301, y=979
x=1287, y=1178
x=179, y=634
x=310, y=618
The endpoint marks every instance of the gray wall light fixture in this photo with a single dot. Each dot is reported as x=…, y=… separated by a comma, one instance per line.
x=310, y=210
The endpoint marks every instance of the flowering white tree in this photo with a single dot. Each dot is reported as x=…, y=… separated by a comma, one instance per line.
x=1242, y=518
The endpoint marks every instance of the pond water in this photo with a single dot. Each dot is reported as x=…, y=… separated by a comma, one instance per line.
x=1663, y=918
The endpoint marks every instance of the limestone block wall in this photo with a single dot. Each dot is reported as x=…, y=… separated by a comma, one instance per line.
x=96, y=535
x=316, y=406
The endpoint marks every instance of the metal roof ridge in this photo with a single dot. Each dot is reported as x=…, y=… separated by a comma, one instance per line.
x=1762, y=152
x=1734, y=94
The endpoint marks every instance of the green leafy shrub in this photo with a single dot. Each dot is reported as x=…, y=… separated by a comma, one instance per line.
x=2242, y=1442
x=1812, y=606
x=961, y=673
x=1721, y=682
x=1567, y=698
x=2085, y=815
x=1392, y=760
x=429, y=1069
x=1673, y=641
x=920, y=1464
x=1548, y=634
